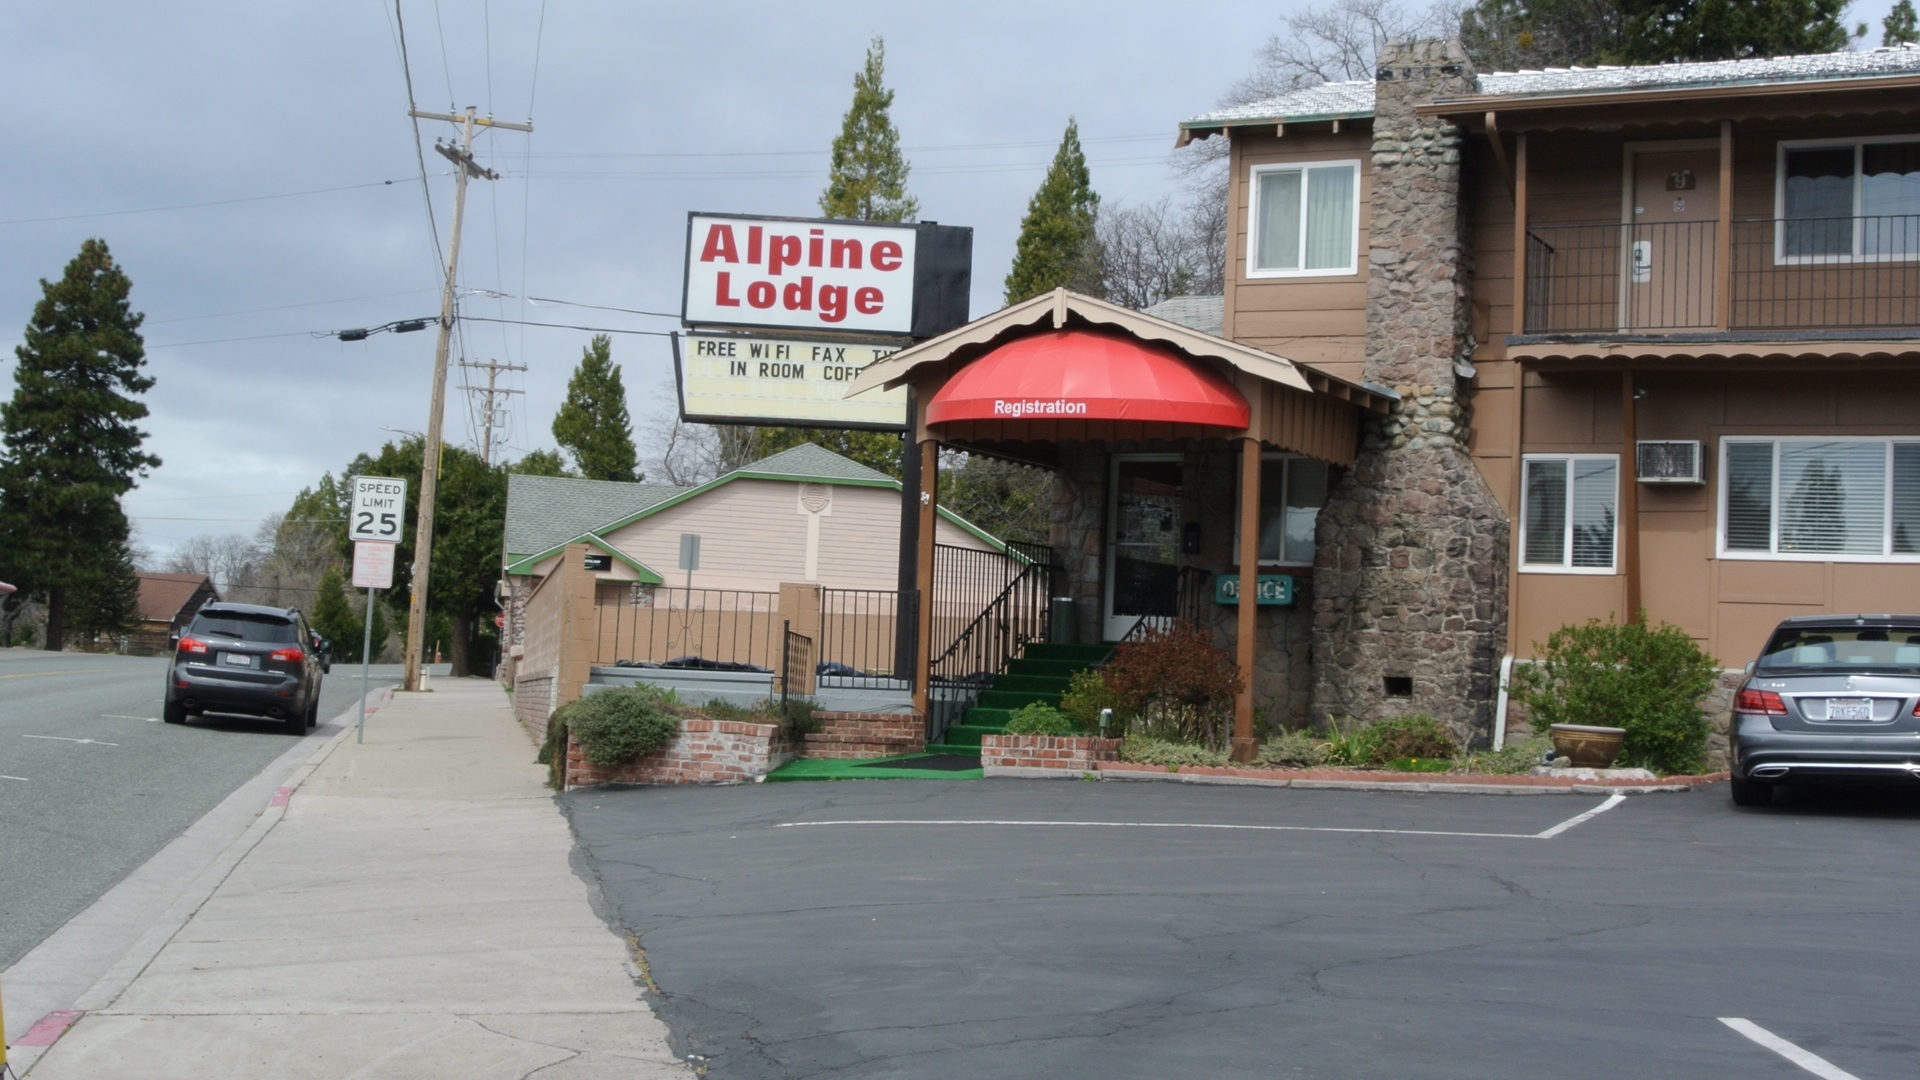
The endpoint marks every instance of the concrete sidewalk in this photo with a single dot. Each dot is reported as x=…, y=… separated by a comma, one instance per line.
x=413, y=914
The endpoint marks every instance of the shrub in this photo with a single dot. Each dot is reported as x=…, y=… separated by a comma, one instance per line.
x=1088, y=693
x=1353, y=746
x=1040, y=719
x=1414, y=736
x=1516, y=757
x=616, y=726
x=1178, y=682
x=1292, y=750
x=1646, y=680
x=1148, y=750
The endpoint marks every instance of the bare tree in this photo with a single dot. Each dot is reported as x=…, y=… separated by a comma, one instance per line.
x=683, y=454
x=1337, y=42
x=1154, y=250
x=232, y=561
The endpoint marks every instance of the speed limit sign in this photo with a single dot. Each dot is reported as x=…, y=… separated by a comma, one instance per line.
x=379, y=509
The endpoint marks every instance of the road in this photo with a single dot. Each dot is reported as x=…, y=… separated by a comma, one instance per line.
x=986, y=929
x=92, y=783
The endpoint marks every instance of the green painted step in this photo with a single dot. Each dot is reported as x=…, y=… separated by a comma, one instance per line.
x=968, y=735
x=1084, y=655
x=1057, y=668
x=952, y=748
x=997, y=698
x=1033, y=684
x=986, y=716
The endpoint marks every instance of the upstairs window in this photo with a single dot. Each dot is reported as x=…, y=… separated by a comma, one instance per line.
x=1304, y=219
x=1820, y=499
x=1567, y=513
x=1840, y=201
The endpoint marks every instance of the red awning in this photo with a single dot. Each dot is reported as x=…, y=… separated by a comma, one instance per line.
x=1083, y=375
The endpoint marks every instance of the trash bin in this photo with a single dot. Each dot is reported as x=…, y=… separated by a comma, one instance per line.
x=1063, y=626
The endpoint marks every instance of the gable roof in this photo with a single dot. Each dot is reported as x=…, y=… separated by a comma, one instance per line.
x=164, y=596
x=1207, y=314
x=801, y=464
x=548, y=511
x=1354, y=100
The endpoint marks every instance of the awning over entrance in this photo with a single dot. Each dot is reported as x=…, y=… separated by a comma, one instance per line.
x=1089, y=375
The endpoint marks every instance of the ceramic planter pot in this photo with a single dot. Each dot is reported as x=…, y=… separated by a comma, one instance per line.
x=1588, y=746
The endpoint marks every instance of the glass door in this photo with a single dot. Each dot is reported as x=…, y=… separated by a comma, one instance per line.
x=1143, y=542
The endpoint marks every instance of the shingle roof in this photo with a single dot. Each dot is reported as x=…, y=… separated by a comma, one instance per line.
x=810, y=462
x=1343, y=100
x=547, y=511
x=163, y=595
x=1207, y=314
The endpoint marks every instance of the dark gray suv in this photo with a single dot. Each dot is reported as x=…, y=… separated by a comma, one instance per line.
x=248, y=659
x=1832, y=698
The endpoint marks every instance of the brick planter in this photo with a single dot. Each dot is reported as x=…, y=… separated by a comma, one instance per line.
x=849, y=736
x=704, y=752
x=1045, y=755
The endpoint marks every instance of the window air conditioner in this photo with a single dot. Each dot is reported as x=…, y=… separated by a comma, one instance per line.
x=1674, y=461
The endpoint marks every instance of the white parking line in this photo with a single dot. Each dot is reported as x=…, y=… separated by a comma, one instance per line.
x=22, y=779
x=1813, y=1063
x=1611, y=802
x=117, y=716
x=63, y=738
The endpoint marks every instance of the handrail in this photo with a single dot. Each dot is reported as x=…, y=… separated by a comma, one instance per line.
x=992, y=605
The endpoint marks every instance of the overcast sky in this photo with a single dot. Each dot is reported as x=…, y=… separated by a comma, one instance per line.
x=643, y=112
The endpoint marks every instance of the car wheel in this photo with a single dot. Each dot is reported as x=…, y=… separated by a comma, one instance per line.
x=313, y=711
x=173, y=713
x=1751, y=792
x=295, y=724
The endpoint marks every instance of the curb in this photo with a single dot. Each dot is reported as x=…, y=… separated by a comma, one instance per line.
x=1342, y=780
x=108, y=988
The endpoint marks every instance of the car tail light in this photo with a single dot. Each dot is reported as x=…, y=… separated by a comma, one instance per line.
x=291, y=656
x=1759, y=701
x=192, y=645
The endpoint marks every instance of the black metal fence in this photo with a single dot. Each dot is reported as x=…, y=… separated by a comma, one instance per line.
x=657, y=624
x=1193, y=596
x=796, y=665
x=857, y=631
x=986, y=607
x=1786, y=274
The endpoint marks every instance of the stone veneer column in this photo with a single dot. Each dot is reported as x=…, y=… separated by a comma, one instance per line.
x=1410, y=576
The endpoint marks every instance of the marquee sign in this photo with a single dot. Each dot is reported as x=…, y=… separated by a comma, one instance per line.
x=734, y=378
x=800, y=274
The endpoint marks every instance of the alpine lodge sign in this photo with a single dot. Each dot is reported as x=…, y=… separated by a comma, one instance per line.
x=825, y=276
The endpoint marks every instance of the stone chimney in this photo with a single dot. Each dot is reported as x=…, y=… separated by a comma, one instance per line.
x=1410, y=581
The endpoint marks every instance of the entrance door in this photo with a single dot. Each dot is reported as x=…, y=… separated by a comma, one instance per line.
x=1671, y=246
x=1143, y=542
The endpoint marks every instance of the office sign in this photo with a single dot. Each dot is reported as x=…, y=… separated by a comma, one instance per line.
x=826, y=276
x=1272, y=590
x=378, y=510
x=740, y=379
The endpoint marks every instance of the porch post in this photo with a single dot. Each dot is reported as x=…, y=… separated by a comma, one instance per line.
x=1629, y=501
x=923, y=579
x=1723, y=253
x=1243, y=745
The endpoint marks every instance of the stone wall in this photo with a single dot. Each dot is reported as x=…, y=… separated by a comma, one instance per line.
x=703, y=752
x=848, y=736
x=1410, y=581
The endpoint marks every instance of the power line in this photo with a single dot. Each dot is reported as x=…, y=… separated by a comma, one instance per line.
x=406, y=70
x=570, y=326
x=197, y=205
x=285, y=307
x=825, y=153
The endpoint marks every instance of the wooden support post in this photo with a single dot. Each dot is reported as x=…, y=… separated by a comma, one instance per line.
x=1723, y=257
x=1501, y=163
x=923, y=578
x=1243, y=743
x=1515, y=507
x=1629, y=511
x=1519, y=320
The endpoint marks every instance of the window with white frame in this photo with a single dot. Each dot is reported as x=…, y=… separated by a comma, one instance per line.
x=1820, y=498
x=1305, y=219
x=1567, y=512
x=1841, y=200
x=1293, y=490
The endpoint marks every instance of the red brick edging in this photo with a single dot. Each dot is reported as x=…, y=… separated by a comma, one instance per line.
x=1421, y=781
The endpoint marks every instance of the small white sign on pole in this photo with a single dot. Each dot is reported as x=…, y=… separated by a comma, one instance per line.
x=379, y=509
x=372, y=564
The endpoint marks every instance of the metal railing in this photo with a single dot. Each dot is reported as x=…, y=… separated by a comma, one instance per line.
x=681, y=627
x=796, y=665
x=1826, y=273
x=857, y=631
x=1786, y=275
x=986, y=607
x=1193, y=595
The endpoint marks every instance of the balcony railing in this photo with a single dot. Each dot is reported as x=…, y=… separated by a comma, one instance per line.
x=1823, y=274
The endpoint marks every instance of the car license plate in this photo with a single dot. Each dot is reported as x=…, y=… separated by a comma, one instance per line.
x=1849, y=709
x=236, y=659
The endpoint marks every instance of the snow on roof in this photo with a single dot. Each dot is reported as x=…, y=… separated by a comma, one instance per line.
x=1343, y=100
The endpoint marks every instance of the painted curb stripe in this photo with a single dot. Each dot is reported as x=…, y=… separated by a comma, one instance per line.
x=50, y=1028
x=281, y=797
x=1813, y=1063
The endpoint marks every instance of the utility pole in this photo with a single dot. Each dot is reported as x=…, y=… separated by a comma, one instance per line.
x=464, y=166
x=493, y=368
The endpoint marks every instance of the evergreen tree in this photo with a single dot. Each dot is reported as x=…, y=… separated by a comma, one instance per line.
x=105, y=603
x=868, y=181
x=592, y=423
x=342, y=621
x=1901, y=26
x=69, y=447
x=1056, y=246
x=874, y=449
x=1504, y=35
x=541, y=463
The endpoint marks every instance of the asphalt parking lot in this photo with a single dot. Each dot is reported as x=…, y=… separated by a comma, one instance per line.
x=1069, y=929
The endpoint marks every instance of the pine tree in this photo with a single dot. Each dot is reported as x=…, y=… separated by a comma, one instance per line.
x=333, y=618
x=105, y=603
x=1502, y=35
x=69, y=447
x=869, y=177
x=592, y=423
x=1056, y=245
x=541, y=463
x=875, y=449
x=1901, y=26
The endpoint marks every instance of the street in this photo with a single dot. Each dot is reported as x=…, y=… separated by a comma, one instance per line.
x=92, y=784
x=1065, y=929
